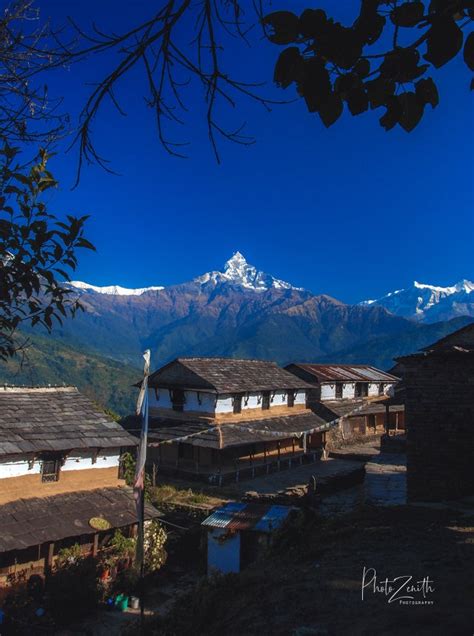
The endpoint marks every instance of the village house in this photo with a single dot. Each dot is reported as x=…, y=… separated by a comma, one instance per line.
x=234, y=419
x=59, y=471
x=360, y=395
x=439, y=397
x=239, y=533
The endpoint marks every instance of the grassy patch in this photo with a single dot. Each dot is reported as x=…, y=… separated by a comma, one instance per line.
x=170, y=494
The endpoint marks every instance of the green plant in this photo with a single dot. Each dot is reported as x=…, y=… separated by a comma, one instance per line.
x=37, y=250
x=155, y=554
x=68, y=556
x=128, y=463
x=122, y=547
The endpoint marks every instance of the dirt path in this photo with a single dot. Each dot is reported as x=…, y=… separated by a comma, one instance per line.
x=386, y=480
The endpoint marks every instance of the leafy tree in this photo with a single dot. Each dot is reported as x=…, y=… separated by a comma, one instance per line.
x=28, y=48
x=37, y=251
x=384, y=59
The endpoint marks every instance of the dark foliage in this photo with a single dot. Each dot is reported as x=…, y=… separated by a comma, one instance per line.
x=74, y=591
x=37, y=250
x=28, y=48
x=382, y=60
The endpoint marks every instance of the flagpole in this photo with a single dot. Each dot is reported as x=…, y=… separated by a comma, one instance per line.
x=139, y=482
x=142, y=564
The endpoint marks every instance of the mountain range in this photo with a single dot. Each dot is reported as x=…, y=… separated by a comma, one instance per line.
x=429, y=303
x=238, y=312
x=45, y=361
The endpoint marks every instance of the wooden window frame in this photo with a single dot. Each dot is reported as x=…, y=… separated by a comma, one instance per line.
x=178, y=404
x=339, y=390
x=50, y=476
x=361, y=389
x=265, y=400
x=237, y=404
x=291, y=399
x=381, y=388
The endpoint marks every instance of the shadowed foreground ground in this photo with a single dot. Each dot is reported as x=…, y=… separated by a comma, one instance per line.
x=311, y=584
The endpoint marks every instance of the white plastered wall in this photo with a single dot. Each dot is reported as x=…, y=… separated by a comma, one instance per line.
x=194, y=400
x=78, y=460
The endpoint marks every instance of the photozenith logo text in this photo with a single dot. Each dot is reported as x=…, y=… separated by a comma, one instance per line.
x=404, y=589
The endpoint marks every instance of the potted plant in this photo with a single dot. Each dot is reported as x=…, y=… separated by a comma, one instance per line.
x=123, y=549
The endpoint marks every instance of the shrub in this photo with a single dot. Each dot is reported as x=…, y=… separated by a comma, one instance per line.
x=122, y=547
x=73, y=591
x=69, y=556
x=154, y=546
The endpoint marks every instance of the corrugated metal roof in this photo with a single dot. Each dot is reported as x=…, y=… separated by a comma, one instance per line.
x=255, y=517
x=345, y=372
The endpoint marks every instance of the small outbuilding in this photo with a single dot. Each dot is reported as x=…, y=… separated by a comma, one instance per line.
x=237, y=534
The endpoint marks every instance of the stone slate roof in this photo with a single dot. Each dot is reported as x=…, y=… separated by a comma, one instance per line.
x=226, y=434
x=331, y=409
x=36, y=420
x=462, y=339
x=28, y=522
x=317, y=373
x=225, y=375
x=460, y=342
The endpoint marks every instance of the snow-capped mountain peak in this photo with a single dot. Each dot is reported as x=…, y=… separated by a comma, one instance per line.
x=112, y=290
x=238, y=271
x=429, y=303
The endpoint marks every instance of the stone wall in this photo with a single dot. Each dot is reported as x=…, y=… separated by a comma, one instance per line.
x=439, y=414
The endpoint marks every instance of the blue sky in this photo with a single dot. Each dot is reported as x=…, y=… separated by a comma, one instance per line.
x=351, y=211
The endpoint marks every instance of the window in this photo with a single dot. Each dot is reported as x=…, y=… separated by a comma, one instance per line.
x=237, y=403
x=291, y=398
x=50, y=470
x=177, y=399
x=381, y=388
x=339, y=386
x=361, y=389
x=265, y=400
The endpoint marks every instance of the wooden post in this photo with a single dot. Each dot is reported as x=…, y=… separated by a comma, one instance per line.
x=49, y=559
x=142, y=560
x=324, y=455
x=396, y=421
x=95, y=545
x=153, y=468
x=387, y=419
